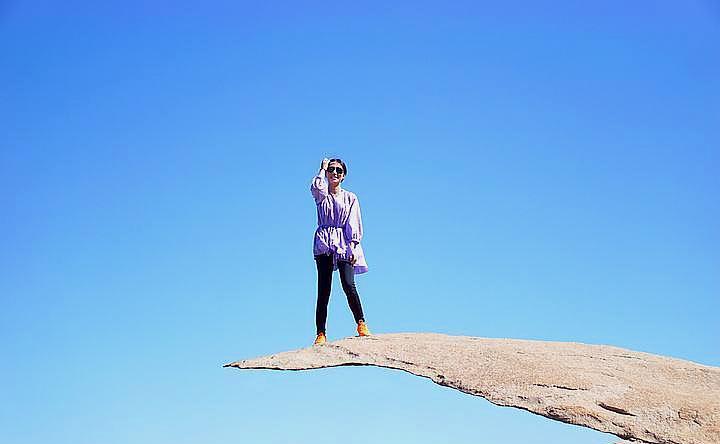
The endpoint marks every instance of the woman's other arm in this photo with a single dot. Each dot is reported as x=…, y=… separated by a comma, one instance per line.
x=354, y=227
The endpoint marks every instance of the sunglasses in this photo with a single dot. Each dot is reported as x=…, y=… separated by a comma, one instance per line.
x=333, y=169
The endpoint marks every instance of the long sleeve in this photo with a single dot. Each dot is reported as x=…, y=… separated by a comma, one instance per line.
x=319, y=187
x=354, y=228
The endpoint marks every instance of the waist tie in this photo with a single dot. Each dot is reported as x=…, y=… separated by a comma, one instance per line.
x=330, y=226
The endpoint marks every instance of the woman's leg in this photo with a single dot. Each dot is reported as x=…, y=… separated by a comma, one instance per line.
x=347, y=277
x=324, y=265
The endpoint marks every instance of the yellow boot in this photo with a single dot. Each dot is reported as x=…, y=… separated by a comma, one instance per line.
x=362, y=329
x=321, y=339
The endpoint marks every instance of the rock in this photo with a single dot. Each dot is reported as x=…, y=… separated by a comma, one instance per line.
x=633, y=395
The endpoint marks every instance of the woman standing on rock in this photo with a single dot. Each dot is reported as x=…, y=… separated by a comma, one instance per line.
x=336, y=245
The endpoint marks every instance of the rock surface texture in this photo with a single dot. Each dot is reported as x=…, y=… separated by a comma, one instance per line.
x=636, y=396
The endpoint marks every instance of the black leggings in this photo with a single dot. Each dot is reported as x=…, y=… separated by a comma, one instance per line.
x=324, y=264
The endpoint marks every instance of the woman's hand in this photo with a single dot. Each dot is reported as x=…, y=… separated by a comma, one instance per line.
x=353, y=256
x=324, y=164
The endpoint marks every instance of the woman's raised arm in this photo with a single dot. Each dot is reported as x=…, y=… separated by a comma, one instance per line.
x=319, y=185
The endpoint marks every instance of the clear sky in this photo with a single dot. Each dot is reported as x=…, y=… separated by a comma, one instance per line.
x=533, y=170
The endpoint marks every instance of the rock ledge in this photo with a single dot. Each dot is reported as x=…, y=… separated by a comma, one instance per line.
x=635, y=396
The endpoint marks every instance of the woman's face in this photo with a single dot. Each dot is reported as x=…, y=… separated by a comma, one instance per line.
x=337, y=174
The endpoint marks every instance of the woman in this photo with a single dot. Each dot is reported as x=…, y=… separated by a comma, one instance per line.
x=337, y=242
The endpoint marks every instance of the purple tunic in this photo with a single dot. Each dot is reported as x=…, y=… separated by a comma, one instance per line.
x=339, y=224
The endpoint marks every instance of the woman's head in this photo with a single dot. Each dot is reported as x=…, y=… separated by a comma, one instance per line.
x=336, y=171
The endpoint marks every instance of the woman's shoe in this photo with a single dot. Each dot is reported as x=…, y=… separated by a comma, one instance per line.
x=321, y=339
x=362, y=329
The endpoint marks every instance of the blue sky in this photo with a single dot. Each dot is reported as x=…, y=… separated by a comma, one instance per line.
x=534, y=170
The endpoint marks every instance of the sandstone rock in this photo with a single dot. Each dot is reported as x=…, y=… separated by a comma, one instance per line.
x=633, y=395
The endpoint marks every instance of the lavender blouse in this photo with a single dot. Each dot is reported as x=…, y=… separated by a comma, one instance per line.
x=339, y=224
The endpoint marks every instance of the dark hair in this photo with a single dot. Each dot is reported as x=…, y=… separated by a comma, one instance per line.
x=341, y=163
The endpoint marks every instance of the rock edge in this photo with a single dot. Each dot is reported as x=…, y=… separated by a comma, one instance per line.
x=633, y=395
